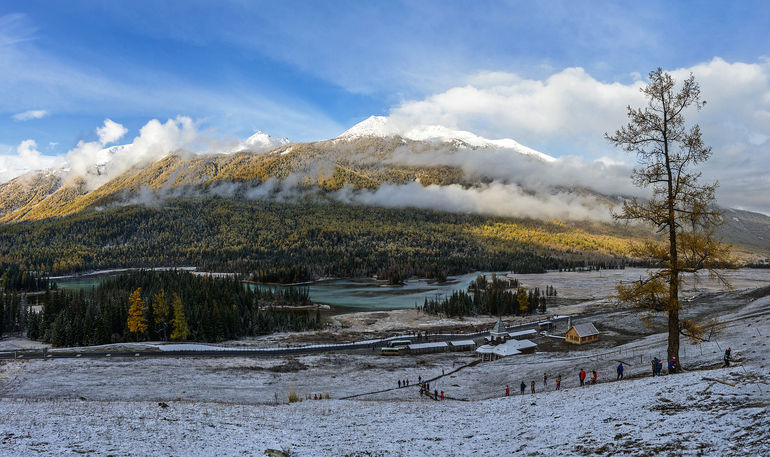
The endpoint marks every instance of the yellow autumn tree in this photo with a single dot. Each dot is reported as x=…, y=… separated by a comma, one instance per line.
x=523, y=301
x=162, y=309
x=137, y=323
x=682, y=210
x=181, y=330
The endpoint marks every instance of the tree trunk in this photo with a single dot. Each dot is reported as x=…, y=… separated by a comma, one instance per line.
x=673, y=336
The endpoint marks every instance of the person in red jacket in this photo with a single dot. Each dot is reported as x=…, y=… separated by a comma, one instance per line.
x=593, y=378
x=507, y=391
x=582, y=377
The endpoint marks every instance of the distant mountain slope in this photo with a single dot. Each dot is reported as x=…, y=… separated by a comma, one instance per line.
x=368, y=157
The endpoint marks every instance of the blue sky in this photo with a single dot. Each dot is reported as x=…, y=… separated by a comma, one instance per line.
x=310, y=70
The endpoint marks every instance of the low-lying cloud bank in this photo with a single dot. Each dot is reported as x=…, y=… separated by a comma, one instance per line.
x=495, y=199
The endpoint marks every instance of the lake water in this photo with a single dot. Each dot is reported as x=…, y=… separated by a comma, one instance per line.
x=349, y=295
x=365, y=294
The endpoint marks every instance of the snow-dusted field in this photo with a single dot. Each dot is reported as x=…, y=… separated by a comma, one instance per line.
x=238, y=406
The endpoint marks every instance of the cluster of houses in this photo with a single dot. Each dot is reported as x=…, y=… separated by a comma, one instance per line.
x=500, y=343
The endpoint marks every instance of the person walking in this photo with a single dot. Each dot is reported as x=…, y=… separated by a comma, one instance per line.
x=545, y=379
x=533, y=386
x=399, y=383
x=558, y=382
x=672, y=366
x=593, y=377
x=620, y=371
x=507, y=391
x=435, y=394
x=523, y=386
x=582, y=377
x=442, y=394
x=727, y=357
x=654, y=366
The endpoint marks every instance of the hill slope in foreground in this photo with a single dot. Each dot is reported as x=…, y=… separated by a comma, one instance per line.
x=229, y=406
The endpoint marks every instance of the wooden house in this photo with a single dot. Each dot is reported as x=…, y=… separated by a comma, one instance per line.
x=582, y=333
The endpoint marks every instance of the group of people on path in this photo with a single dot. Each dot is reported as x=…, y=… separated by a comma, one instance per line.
x=532, y=385
x=425, y=387
x=657, y=367
x=582, y=376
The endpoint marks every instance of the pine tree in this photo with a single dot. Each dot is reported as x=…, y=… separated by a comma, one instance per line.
x=137, y=323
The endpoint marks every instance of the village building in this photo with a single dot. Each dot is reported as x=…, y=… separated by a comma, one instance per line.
x=523, y=335
x=582, y=333
x=426, y=348
x=498, y=333
x=503, y=344
x=462, y=345
x=489, y=352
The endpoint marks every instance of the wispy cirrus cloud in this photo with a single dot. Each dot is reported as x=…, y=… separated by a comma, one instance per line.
x=30, y=114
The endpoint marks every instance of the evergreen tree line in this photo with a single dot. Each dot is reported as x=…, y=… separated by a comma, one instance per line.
x=498, y=297
x=17, y=277
x=172, y=304
x=14, y=314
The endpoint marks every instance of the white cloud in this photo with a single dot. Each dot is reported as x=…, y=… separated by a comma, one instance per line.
x=569, y=107
x=495, y=199
x=28, y=152
x=31, y=114
x=111, y=132
x=97, y=165
x=569, y=112
x=26, y=158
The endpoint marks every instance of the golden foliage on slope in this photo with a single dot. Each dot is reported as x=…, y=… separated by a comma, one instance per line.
x=327, y=165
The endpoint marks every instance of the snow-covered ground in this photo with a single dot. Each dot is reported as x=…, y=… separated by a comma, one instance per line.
x=238, y=406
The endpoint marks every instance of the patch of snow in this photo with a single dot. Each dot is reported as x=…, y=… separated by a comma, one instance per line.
x=379, y=126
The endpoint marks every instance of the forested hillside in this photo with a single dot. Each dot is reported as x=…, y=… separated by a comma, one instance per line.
x=285, y=242
x=323, y=166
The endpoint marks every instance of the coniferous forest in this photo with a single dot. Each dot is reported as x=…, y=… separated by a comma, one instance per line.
x=495, y=297
x=167, y=305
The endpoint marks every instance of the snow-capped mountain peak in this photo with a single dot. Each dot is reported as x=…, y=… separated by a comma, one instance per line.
x=374, y=126
x=380, y=126
x=261, y=142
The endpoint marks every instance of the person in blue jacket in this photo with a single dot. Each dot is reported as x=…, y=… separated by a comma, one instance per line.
x=620, y=371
